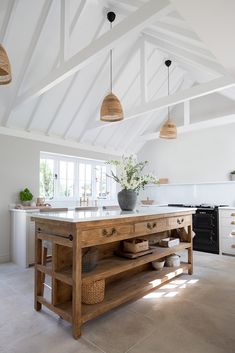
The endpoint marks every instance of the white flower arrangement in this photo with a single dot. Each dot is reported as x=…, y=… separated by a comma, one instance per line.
x=129, y=174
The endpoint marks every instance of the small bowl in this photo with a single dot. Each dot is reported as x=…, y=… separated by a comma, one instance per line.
x=147, y=202
x=158, y=264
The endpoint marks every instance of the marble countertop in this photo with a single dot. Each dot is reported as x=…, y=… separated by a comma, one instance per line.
x=86, y=216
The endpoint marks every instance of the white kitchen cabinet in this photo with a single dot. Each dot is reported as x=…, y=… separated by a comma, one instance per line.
x=227, y=230
x=22, y=237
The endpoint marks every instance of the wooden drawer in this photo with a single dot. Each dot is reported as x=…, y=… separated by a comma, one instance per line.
x=151, y=227
x=228, y=246
x=106, y=234
x=179, y=222
x=227, y=213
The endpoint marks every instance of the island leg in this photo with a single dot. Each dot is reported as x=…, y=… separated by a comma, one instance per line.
x=190, y=250
x=77, y=281
x=38, y=282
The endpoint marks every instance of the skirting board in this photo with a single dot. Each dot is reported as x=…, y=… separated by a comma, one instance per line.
x=4, y=258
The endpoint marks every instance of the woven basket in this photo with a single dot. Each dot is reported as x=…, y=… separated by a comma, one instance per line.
x=5, y=67
x=93, y=292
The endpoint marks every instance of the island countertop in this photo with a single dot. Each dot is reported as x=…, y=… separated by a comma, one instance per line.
x=87, y=216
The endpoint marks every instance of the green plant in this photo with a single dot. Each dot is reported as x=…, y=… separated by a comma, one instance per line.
x=129, y=174
x=26, y=195
x=233, y=172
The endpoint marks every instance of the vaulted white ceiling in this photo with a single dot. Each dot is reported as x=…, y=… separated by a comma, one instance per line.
x=59, y=52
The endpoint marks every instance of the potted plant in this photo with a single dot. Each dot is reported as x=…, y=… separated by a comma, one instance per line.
x=130, y=177
x=26, y=197
x=232, y=174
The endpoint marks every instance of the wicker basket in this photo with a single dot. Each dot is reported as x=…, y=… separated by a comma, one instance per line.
x=93, y=292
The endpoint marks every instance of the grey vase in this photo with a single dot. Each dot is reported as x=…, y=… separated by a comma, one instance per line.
x=127, y=199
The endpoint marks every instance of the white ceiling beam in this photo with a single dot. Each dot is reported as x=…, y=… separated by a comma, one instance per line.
x=202, y=52
x=130, y=3
x=57, y=61
x=143, y=72
x=174, y=32
x=200, y=90
x=186, y=113
x=7, y=19
x=210, y=123
x=33, y=43
x=57, y=141
x=64, y=29
x=77, y=15
x=133, y=24
x=207, y=65
x=68, y=90
x=85, y=95
x=146, y=122
x=213, y=22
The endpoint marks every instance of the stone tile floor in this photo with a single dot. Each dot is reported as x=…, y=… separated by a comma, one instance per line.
x=191, y=314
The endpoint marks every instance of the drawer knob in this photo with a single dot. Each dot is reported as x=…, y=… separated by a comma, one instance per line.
x=233, y=222
x=232, y=234
x=233, y=246
x=108, y=234
x=180, y=221
x=232, y=214
x=151, y=225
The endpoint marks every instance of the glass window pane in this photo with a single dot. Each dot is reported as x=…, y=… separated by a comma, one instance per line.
x=47, y=178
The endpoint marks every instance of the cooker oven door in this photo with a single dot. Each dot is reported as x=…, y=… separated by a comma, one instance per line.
x=204, y=220
x=206, y=240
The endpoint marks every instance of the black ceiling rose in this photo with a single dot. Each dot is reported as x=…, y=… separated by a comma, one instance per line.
x=168, y=63
x=111, y=16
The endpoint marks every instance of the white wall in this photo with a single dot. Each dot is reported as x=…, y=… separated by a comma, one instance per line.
x=195, y=157
x=19, y=166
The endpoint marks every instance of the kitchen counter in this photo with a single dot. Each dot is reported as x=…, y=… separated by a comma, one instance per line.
x=87, y=216
x=119, y=279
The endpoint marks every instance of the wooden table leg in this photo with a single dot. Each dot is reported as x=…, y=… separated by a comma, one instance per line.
x=190, y=251
x=38, y=283
x=77, y=281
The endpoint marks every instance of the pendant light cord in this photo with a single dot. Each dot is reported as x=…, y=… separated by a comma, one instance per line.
x=111, y=65
x=168, y=89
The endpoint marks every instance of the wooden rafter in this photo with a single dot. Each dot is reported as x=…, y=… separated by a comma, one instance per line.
x=209, y=123
x=7, y=19
x=187, y=56
x=134, y=23
x=57, y=61
x=146, y=122
x=55, y=140
x=31, y=48
x=200, y=90
x=64, y=30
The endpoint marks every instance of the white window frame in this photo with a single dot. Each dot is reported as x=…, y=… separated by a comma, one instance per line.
x=111, y=186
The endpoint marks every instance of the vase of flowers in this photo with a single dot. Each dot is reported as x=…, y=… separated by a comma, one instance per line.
x=131, y=178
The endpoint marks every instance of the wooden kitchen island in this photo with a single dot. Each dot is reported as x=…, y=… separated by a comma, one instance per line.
x=71, y=233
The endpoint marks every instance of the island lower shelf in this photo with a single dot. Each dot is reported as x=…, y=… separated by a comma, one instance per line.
x=114, y=265
x=123, y=290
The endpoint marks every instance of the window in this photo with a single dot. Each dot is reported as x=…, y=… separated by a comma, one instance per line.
x=71, y=178
x=47, y=178
x=66, y=179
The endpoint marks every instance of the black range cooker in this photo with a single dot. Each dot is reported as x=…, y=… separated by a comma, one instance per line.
x=205, y=226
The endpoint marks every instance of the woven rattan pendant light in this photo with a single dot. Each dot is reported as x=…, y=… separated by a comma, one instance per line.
x=111, y=108
x=5, y=67
x=168, y=129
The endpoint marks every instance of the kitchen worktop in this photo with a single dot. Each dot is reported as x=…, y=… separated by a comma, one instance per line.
x=86, y=216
